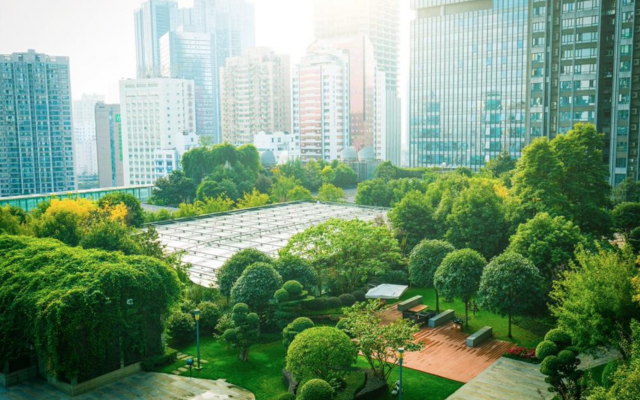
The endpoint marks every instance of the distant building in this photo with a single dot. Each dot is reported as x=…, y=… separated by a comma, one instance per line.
x=84, y=132
x=36, y=134
x=152, y=21
x=284, y=146
x=109, y=145
x=321, y=104
x=255, y=95
x=158, y=126
x=191, y=55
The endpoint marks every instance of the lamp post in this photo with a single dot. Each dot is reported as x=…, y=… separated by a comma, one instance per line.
x=400, y=351
x=196, y=313
x=189, y=365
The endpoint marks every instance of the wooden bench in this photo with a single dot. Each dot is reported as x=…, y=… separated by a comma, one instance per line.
x=480, y=336
x=409, y=303
x=442, y=318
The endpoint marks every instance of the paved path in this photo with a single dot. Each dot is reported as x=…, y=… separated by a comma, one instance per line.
x=446, y=353
x=141, y=386
x=506, y=379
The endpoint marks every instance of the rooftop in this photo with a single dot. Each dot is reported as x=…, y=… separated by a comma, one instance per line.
x=209, y=240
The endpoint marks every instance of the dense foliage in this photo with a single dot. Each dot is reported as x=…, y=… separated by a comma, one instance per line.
x=255, y=287
x=228, y=274
x=560, y=365
x=244, y=332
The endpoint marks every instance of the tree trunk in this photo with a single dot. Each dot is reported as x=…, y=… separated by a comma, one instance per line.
x=466, y=314
x=437, y=302
x=510, y=337
x=244, y=354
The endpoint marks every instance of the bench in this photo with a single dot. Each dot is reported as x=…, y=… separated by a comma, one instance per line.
x=407, y=304
x=442, y=318
x=480, y=336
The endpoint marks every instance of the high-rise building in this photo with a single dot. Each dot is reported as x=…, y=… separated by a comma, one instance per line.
x=255, y=95
x=232, y=22
x=152, y=21
x=158, y=126
x=84, y=133
x=191, y=55
x=36, y=134
x=321, y=104
x=109, y=145
x=468, y=81
x=488, y=76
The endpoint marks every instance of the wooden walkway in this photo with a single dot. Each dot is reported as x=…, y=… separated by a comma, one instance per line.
x=446, y=354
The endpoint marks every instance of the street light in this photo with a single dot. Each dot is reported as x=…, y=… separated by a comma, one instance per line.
x=196, y=314
x=401, y=351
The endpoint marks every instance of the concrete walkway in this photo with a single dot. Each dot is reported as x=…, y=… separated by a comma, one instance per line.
x=506, y=379
x=142, y=386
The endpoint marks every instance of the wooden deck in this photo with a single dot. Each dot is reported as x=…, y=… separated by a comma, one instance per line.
x=446, y=354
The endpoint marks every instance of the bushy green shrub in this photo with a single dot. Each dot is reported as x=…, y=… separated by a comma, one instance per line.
x=341, y=324
x=333, y=302
x=181, y=327
x=608, y=373
x=359, y=295
x=287, y=396
x=347, y=299
x=210, y=314
x=315, y=304
x=316, y=389
x=549, y=365
x=294, y=288
x=281, y=295
x=545, y=349
x=425, y=259
x=169, y=357
x=294, y=328
x=298, y=269
x=395, y=278
x=558, y=336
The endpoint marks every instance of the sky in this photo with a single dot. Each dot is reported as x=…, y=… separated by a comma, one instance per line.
x=98, y=35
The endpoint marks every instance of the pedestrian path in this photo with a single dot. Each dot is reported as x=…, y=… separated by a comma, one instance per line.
x=184, y=357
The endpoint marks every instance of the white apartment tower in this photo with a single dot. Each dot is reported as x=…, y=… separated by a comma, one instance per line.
x=321, y=104
x=84, y=134
x=158, y=126
x=255, y=95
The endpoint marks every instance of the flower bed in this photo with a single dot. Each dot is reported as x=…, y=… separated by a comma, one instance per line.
x=522, y=354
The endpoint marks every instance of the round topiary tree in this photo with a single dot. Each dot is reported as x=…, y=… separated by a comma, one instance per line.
x=322, y=352
x=424, y=260
x=315, y=389
x=281, y=295
x=294, y=288
x=359, y=295
x=256, y=287
x=347, y=299
x=560, y=365
x=287, y=396
x=210, y=314
x=333, y=302
x=231, y=270
x=294, y=328
x=298, y=269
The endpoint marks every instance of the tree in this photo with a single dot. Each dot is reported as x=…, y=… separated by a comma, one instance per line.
x=294, y=328
x=63, y=225
x=263, y=184
x=585, y=181
x=245, y=331
x=413, y=219
x=375, y=192
x=560, y=365
x=424, y=260
x=313, y=180
x=548, y=242
x=256, y=286
x=510, y=285
x=593, y=300
x=321, y=352
x=281, y=188
x=210, y=314
x=349, y=251
x=626, y=217
x=295, y=268
x=538, y=179
x=477, y=221
x=253, y=199
x=459, y=276
x=386, y=171
x=212, y=189
x=299, y=193
x=9, y=224
x=135, y=214
x=174, y=189
x=377, y=342
x=231, y=270
x=109, y=235
x=181, y=327
x=316, y=389
x=502, y=164
x=331, y=193
x=626, y=192
x=344, y=176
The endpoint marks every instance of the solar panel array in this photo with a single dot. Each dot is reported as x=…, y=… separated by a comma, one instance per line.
x=208, y=241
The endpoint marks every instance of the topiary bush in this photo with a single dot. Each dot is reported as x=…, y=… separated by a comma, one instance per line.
x=281, y=295
x=560, y=365
x=558, y=336
x=333, y=302
x=315, y=304
x=210, y=314
x=294, y=288
x=545, y=349
x=341, y=324
x=359, y=295
x=316, y=389
x=347, y=299
x=294, y=328
x=181, y=327
x=287, y=396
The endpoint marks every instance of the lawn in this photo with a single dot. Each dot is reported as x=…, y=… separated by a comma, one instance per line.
x=262, y=374
x=499, y=324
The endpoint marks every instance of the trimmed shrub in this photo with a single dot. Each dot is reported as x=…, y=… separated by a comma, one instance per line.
x=347, y=299
x=181, y=327
x=559, y=337
x=287, y=396
x=550, y=365
x=341, y=324
x=282, y=295
x=294, y=328
x=316, y=389
x=546, y=348
x=294, y=288
x=315, y=304
x=210, y=314
x=334, y=302
x=359, y=295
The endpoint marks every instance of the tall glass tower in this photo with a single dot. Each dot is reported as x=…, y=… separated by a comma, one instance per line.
x=36, y=134
x=468, y=88
x=152, y=21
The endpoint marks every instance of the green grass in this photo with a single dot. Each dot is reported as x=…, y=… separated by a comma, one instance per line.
x=499, y=324
x=595, y=374
x=262, y=374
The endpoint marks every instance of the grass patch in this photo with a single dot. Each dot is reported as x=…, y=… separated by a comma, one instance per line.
x=595, y=374
x=521, y=336
x=262, y=374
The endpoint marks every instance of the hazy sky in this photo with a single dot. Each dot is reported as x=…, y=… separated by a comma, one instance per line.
x=98, y=35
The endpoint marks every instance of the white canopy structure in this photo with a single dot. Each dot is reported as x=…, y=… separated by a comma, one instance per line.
x=207, y=241
x=386, y=291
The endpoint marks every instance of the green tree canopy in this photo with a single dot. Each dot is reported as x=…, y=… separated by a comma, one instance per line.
x=502, y=164
x=299, y=193
x=331, y=193
x=626, y=192
x=256, y=286
x=459, y=276
x=344, y=176
x=626, y=217
x=174, y=189
x=135, y=214
x=212, y=189
x=375, y=192
x=296, y=268
x=510, y=285
x=231, y=270
x=412, y=218
x=425, y=259
x=245, y=331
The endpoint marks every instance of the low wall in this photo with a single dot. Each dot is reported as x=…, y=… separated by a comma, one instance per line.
x=102, y=380
x=16, y=377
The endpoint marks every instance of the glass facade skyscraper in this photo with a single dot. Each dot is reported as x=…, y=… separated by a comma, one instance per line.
x=36, y=134
x=468, y=86
x=109, y=145
x=152, y=21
